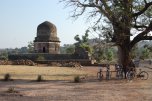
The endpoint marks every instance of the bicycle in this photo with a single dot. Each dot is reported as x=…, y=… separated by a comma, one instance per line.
x=100, y=75
x=119, y=71
x=131, y=74
x=108, y=73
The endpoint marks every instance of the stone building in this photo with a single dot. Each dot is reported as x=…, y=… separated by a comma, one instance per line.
x=47, y=45
x=46, y=40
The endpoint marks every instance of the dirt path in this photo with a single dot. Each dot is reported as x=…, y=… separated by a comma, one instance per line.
x=89, y=91
x=112, y=90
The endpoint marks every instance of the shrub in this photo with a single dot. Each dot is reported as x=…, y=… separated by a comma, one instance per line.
x=39, y=78
x=7, y=77
x=77, y=79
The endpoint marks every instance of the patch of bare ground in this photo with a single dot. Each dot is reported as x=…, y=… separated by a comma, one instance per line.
x=111, y=90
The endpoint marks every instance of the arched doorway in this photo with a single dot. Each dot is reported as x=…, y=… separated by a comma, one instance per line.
x=44, y=50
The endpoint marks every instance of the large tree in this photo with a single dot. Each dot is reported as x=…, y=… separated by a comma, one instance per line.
x=121, y=19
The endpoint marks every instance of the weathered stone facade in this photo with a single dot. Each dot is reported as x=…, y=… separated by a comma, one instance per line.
x=47, y=46
x=47, y=40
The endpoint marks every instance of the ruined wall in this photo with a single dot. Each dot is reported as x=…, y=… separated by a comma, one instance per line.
x=45, y=58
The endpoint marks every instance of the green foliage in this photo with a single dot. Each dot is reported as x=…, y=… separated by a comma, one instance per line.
x=77, y=79
x=86, y=47
x=83, y=42
x=116, y=21
x=145, y=53
x=99, y=55
x=77, y=38
x=67, y=49
x=70, y=50
x=62, y=50
x=23, y=50
x=109, y=55
x=134, y=52
x=30, y=47
x=150, y=50
x=104, y=54
x=85, y=37
x=7, y=77
x=4, y=55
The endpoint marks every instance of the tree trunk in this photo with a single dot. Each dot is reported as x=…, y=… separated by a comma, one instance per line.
x=122, y=34
x=124, y=57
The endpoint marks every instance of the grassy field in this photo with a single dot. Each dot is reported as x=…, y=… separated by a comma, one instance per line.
x=48, y=73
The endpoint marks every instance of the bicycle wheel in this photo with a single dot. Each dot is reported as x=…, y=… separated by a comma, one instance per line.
x=143, y=75
x=99, y=76
x=130, y=75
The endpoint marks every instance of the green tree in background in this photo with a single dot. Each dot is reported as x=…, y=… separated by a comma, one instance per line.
x=4, y=55
x=116, y=20
x=145, y=53
x=30, y=47
x=109, y=55
x=83, y=42
x=70, y=49
x=134, y=52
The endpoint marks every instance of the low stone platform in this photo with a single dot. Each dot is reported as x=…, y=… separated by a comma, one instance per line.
x=46, y=58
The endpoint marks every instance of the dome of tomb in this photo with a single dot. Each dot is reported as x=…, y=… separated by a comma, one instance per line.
x=47, y=28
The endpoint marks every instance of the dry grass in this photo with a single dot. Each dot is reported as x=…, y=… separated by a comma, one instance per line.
x=106, y=90
x=48, y=73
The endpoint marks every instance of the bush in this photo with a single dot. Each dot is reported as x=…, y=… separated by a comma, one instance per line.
x=7, y=77
x=77, y=79
x=39, y=78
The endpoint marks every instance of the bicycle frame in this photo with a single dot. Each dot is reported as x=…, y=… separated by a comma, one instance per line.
x=100, y=74
x=143, y=75
x=119, y=71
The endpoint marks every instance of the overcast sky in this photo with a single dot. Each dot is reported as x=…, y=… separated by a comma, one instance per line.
x=19, y=20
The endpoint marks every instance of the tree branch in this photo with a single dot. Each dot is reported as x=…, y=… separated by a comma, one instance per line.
x=106, y=12
x=139, y=26
x=142, y=36
x=145, y=1
x=107, y=8
x=147, y=5
x=147, y=38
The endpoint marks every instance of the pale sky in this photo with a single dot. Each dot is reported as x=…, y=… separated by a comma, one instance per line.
x=19, y=20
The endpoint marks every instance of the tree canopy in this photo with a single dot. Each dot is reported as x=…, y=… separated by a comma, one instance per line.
x=117, y=15
x=83, y=42
x=124, y=22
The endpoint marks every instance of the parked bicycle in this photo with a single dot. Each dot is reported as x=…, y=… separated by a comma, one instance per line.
x=119, y=71
x=131, y=74
x=108, y=72
x=100, y=74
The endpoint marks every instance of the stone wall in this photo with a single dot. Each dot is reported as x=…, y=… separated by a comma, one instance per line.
x=45, y=58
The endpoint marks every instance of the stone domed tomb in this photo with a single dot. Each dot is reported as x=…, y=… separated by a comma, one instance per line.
x=46, y=40
x=47, y=45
